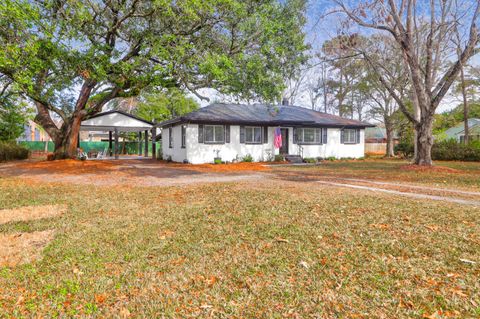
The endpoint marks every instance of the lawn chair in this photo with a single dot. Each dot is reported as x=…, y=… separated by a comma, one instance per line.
x=103, y=153
x=81, y=155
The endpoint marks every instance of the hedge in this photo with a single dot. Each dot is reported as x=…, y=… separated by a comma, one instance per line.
x=12, y=151
x=447, y=150
x=450, y=150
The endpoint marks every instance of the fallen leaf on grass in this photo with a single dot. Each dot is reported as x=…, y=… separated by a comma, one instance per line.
x=432, y=227
x=467, y=261
x=100, y=298
x=281, y=240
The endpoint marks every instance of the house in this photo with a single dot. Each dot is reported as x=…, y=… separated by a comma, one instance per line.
x=458, y=132
x=376, y=140
x=33, y=133
x=234, y=131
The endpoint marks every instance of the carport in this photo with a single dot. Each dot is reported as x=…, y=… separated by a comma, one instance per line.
x=115, y=122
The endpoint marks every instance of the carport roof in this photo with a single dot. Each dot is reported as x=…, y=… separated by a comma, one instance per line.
x=111, y=120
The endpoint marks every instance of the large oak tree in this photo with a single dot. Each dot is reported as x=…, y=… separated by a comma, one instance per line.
x=71, y=57
x=422, y=32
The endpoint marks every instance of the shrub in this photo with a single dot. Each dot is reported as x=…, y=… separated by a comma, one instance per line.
x=11, y=151
x=331, y=158
x=310, y=160
x=247, y=158
x=450, y=150
x=217, y=160
x=405, y=149
x=279, y=158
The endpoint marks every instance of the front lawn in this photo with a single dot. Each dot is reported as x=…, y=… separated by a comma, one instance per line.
x=268, y=249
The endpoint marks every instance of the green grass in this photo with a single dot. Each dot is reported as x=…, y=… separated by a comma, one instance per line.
x=464, y=175
x=273, y=249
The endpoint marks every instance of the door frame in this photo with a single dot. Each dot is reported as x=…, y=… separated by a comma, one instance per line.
x=287, y=140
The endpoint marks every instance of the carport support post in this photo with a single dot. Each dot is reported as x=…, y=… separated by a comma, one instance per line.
x=146, y=143
x=110, y=142
x=154, y=146
x=116, y=143
x=139, y=143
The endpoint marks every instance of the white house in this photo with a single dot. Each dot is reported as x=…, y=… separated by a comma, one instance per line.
x=234, y=131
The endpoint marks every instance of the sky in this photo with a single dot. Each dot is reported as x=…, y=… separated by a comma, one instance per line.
x=321, y=27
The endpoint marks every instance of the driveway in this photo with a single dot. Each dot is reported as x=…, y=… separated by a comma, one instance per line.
x=141, y=172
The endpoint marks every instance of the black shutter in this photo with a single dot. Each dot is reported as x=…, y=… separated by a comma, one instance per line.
x=324, y=135
x=227, y=133
x=200, y=133
x=342, y=136
x=265, y=134
x=242, y=134
x=294, y=135
x=358, y=135
x=318, y=135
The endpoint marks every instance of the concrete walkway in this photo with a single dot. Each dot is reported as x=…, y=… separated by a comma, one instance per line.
x=407, y=194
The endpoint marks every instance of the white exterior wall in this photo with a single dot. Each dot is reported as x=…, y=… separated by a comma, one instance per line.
x=177, y=153
x=334, y=147
x=204, y=153
x=198, y=153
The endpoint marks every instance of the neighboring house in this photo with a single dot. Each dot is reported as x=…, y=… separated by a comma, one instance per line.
x=458, y=132
x=235, y=131
x=376, y=140
x=34, y=133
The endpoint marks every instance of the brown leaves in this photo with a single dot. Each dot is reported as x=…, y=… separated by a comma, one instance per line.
x=100, y=298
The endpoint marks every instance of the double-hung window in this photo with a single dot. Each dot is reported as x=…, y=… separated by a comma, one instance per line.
x=309, y=135
x=349, y=136
x=253, y=134
x=214, y=134
x=184, y=135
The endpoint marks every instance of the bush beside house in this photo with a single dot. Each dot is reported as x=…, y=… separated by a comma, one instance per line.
x=12, y=151
x=446, y=150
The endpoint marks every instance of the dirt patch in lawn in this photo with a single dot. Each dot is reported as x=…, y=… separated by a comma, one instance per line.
x=223, y=168
x=30, y=213
x=69, y=166
x=21, y=248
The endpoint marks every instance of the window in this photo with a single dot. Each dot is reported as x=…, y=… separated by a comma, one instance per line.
x=184, y=133
x=170, y=137
x=349, y=136
x=214, y=134
x=309, y=135
x=253, y=135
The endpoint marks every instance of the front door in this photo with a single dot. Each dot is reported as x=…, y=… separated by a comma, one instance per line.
x=284, y=147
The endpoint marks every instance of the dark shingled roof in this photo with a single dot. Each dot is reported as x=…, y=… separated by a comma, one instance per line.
x=261, y=114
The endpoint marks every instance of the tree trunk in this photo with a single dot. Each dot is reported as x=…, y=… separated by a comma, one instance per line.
x=424, y=142
x=67, y=141
x=465, y=107
x=389, y=152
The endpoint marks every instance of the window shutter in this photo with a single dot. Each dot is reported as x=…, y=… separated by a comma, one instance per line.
x=227, y=133
x=200, y=133
x=358, y=135
x=294, y=135
x=265, y=134
x=324, y=135
x=342, y=136
x=242, y=134
x=318, y=135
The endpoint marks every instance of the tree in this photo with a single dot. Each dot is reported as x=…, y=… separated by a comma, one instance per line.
x=163, y=105
x=422, y=33
x=385, y=108
x=12, y=112
x=70, y=58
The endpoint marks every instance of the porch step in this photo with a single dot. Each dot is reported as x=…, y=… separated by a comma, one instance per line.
x=294, y=158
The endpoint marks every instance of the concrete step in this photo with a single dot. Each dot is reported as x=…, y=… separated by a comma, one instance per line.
x=293, y=158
